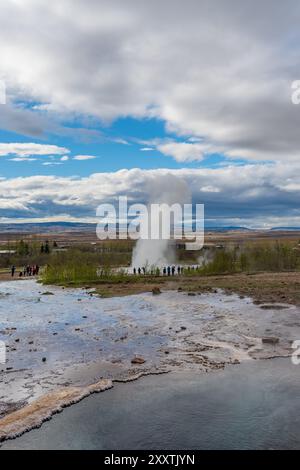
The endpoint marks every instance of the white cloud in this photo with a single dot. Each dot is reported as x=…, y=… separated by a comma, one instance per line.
x=121, y=141
x=65, y=158
x=182, y=151
x=84, y=157
x=146, y=149
x=249, y=193
x=209, y=189
x=22, y=159
x=26, y=149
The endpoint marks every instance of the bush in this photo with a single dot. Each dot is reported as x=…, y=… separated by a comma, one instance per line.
x=272, y=257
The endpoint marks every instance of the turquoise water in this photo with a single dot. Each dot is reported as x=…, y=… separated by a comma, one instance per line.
x=252, y=406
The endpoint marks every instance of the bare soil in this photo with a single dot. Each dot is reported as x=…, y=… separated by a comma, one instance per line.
x=261, y=287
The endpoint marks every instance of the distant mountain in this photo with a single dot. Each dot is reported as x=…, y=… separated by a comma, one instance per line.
x=58, y=227
x=286, y=229
x=229, y=228
x=77, y=226
x=46, y=227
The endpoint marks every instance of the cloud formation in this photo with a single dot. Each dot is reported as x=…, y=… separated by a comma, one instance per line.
x=183, y=151
x=218, y=70
x=27, y=149
x=252, y=194
x=218, y=74
x=84, y=157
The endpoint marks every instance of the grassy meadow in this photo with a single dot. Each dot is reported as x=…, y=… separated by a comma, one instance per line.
x=86, y=263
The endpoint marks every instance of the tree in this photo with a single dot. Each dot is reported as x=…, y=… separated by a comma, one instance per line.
x=22, y=248
x=47, y=247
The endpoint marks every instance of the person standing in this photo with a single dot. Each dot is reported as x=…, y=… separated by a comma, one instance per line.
x=13, y=270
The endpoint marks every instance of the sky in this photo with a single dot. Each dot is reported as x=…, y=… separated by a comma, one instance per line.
x=104, y=98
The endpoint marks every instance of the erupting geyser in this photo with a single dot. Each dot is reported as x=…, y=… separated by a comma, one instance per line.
x=166, y=189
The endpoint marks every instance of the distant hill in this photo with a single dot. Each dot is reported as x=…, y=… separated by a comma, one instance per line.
x=86, y=227
x=46, y=227
x=229, y=228
x=60, y=227
x=286, y=229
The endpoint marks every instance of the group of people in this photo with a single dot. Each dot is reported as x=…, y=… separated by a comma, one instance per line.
x=27, y=271
x=165, y=271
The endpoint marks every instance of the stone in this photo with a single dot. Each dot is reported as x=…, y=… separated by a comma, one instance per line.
x=156, y=291
x=138, y=360
x=270, y=340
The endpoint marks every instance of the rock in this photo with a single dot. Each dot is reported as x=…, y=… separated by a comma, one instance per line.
x=270, y=340
x=183, y=328
x=156, y=291
x=167, y=352
x=191, y=293
x=273, y=307
x=44, y=359
x=30, y=342
x=138, y=360
x=47, y=293
x=17, y=340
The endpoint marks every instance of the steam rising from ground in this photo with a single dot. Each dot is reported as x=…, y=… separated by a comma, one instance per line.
x=165, y=189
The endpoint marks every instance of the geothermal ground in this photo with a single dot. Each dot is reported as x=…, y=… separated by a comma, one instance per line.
x=61, y=341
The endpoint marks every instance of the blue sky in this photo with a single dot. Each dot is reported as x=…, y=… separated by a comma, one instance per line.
x=117, y=97
x=122, y=144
